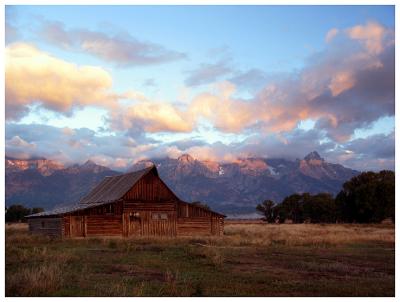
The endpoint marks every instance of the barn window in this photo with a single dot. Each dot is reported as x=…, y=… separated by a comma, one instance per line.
x=159, y=216
x=42, y=224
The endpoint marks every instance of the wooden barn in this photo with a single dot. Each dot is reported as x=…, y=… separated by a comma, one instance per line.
x=132, y=204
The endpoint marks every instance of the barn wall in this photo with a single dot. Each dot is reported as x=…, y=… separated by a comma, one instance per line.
x=103, y=225
x=145, y=213
x=188, y=210
x=150, y=188
x=115, y=208
x=194, y=220
x=194, y=226
x=183, y=219
x=46, y=226
x=67, y=226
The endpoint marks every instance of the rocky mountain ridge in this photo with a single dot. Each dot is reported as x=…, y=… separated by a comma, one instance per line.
x=231, y=188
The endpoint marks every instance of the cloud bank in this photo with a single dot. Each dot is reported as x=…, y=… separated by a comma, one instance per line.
x=33, y=76
x=344, y=87
x=121, y=49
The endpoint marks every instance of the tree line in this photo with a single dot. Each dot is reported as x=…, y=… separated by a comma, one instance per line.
x=366, y=198
x=17, y=213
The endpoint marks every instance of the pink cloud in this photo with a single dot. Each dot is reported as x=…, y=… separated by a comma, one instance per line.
x=331, y=34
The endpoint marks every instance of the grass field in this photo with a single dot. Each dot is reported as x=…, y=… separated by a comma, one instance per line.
x=249, y=260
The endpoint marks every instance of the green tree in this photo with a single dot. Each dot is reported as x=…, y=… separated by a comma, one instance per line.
x=37, y=210
x=368, y=197
x=293, y=207
x=266, y=208
x=17, y=213
x=201, y=204
x=301, y=207
x=319, y=208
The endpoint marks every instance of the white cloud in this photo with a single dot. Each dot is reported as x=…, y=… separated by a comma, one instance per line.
x=33, y=76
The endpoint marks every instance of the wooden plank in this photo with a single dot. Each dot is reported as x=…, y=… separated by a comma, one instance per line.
x=150, y=188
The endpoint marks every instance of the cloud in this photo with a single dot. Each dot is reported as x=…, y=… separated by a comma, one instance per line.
x=252, y=79
x=378, y=146
x=16, y=141
x=208, y=73
x=375, y=152
x=331, y=34
x=33, y=76
x=346, y=86
x=149, y=116
x=222, y=110
x=341, y=82
x=342, y=88
x=120, y=151
x=72, y=145
x=185, y=144
x=372, y=35
x=121, y=49
x=36, y=77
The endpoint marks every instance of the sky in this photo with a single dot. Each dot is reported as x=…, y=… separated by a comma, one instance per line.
x=118, y=84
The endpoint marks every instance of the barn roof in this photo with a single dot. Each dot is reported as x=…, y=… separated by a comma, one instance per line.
x=110, y=189
x=114, y=187
x=67, y=209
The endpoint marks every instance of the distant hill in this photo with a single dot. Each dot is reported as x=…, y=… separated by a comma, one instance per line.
x=232, y=188
x=32, y=185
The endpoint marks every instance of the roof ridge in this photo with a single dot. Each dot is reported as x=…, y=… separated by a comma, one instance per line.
x=114, y=187
x=132, y=172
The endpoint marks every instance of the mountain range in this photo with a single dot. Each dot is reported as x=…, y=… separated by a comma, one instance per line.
x=233, y=188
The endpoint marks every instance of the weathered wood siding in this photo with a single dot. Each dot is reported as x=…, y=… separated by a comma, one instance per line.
x=46, y=226
x=150, y=188
x=103, y=225
x=194, y=220
x=217, y=225
x=114, y=208
x=149, y=218
x=67, y=226
x=194, y=226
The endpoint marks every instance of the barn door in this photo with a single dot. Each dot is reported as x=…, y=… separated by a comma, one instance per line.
x=162, y=224
x=134, y=226
x=77, y=227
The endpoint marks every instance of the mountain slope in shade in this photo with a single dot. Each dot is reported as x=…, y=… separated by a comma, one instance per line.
x=238, y=187
x=65, y=186
x=231, y=188
x=43, y=166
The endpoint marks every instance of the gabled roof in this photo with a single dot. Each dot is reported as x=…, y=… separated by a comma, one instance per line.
x=111, y=189
x=115, y=187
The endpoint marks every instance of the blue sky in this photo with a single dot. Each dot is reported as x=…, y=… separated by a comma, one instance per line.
x=227, y=81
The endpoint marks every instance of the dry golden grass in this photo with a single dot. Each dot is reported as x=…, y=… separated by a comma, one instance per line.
x=16, y=226
x=306, y=234
x=250, y=259
x=35, y=281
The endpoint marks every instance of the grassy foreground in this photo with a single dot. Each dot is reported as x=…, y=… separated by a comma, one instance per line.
x=250, y=260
